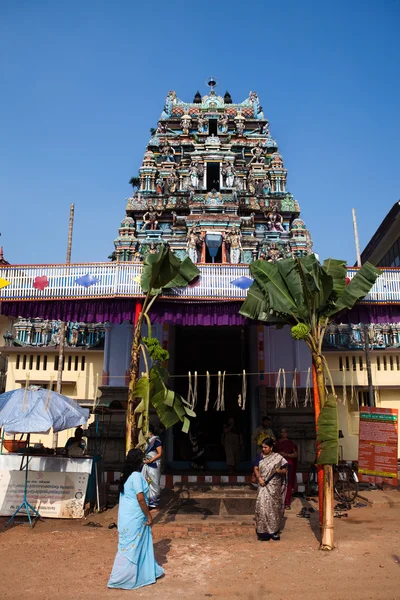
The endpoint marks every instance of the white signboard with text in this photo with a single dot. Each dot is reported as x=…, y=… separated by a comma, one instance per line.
x=54, y=494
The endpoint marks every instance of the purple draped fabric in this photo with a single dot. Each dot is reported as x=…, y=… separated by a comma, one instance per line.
x=117, y=311
x=189, y=314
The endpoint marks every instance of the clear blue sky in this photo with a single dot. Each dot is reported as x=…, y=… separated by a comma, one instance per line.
x=81, y=83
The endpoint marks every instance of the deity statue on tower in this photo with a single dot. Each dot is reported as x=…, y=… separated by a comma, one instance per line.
x=150, y=219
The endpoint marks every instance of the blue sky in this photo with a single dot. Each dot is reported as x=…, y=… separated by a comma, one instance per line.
x=82, y=83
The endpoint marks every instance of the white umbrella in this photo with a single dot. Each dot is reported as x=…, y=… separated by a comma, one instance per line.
x=36, y=410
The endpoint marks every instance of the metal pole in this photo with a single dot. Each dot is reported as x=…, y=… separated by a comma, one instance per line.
x=63, y=325
x=371, y=396
x=353, y=211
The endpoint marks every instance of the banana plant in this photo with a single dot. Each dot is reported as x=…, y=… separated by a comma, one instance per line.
x=160, y=271
x=307, y=295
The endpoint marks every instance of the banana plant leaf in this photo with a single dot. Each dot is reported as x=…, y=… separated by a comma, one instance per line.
x=273, y=285
x=142, y=390
x=357, y=289
x=165, y=270
x=337, y=269
x=170, y=406
x=328, y=432
x=187, y=273
x=318, y=284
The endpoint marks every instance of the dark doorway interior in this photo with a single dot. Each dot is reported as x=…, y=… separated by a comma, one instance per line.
x=212, y=176
x=211, y=349
x=213, y=127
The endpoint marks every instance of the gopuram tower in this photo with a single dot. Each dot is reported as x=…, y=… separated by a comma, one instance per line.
x=212, y=185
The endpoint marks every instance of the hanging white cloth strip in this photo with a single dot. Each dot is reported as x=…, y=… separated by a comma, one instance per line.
x=307, y=397
x=194, y=391
x=344, y=386
x=294, y=401
x=217, y=404
x=190, y=390
x=240, y=400
x=208, y=385
x=244, y=390
x=352, y=389
x=223, y=391
x=280, y=392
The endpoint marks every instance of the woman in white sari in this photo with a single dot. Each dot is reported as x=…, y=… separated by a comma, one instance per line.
x=151, y=469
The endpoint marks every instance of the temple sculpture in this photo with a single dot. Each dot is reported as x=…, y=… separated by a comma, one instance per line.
x=212, y=185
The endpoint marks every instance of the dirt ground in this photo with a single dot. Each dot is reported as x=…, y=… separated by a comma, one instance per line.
x=71, y=561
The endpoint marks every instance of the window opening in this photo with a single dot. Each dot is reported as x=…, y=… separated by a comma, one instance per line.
x=213, y=176
x=212, y=127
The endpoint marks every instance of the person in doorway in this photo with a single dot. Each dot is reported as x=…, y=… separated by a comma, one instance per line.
x=270, y=469
x=151, y=469
x=134, y=565
x=262, y=432
x=232, y=445
x=288, y=449
x=76, y=445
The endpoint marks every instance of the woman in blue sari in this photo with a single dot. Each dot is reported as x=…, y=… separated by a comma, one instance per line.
x=151, y=469
x=134, y=564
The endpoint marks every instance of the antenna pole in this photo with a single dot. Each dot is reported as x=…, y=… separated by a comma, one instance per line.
x=353, y=211
x=63, y=324
x=367, y=348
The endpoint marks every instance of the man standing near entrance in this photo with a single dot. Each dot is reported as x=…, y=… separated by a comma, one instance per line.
x=262, y=432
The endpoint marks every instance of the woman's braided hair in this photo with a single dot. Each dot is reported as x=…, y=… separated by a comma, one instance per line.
x=133, y=462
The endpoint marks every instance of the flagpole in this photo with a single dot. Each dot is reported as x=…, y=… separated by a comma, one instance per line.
x=365, y=330
x=63, y=324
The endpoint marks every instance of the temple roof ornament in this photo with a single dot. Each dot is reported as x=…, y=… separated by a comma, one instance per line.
x=212, y=165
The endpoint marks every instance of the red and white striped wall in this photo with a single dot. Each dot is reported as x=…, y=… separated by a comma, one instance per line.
x=169, y=481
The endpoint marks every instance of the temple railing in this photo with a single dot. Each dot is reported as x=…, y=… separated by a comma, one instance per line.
x=122, y=280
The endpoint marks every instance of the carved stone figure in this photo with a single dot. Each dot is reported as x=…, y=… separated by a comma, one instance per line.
x=229, y=175
x=170, y=184
x=153, y=248
x=239, y=127
x=258, y=153
x=170, y=100
x=264, y=129
x=193, y=244
x=161, y=128
x=167, y=153
x=201, y=124
x=223, y=123
x=233, y=240
x=186, y=122
x=251, y=184
x=274, y=220
x=266, y=186
x=150, y=219
x=159, y=185
x=194, y=175
x=259, y=185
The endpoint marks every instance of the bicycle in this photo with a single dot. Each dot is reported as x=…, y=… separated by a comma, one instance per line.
x=345, y=482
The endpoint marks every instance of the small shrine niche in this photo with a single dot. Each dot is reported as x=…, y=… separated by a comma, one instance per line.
x=213, y=186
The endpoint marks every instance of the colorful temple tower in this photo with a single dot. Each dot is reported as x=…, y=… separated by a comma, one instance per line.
x=212, y=185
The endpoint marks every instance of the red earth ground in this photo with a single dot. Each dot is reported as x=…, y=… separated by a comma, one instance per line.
x=71, y=561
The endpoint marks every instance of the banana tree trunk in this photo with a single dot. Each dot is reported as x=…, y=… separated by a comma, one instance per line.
x=327, y=483
x=131, y=430
x=320, y=471
x=327, y=522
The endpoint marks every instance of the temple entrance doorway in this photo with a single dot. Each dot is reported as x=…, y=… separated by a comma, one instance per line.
x=211, y=349
x=213, y=176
